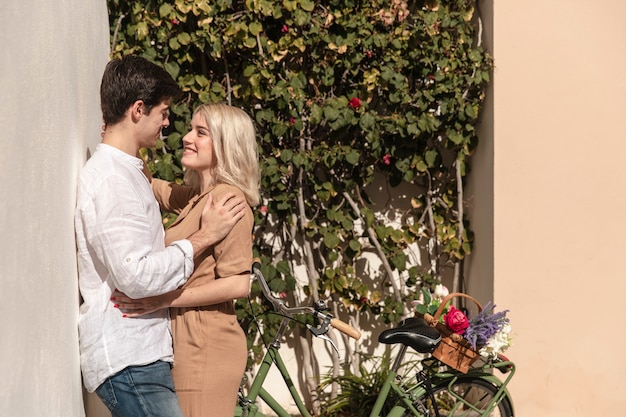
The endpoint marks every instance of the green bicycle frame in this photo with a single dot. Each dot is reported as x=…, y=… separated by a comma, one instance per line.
x=407, y=397
x=272, y=357
x=447, y=379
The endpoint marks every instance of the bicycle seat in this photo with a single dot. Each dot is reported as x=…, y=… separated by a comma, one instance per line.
x=413, y=332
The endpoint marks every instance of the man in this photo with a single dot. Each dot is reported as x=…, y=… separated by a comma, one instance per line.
x=120, y=245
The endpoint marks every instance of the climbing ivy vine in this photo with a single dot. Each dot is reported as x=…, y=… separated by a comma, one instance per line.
x=347, y=95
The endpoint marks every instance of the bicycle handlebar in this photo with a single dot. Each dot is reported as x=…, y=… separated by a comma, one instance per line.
x=345, y=328
x=280, y=306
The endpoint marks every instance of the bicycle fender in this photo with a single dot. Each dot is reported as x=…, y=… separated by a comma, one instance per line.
x=498, y=383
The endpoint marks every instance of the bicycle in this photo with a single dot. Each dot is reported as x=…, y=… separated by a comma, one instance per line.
x=436, y=388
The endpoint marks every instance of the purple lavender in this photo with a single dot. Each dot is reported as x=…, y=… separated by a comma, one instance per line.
x=485, y=325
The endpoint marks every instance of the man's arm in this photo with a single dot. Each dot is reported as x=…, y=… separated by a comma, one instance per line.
x=218, y=218
x=118, y=232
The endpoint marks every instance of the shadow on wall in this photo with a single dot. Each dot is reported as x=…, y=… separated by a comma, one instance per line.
x=93, y=406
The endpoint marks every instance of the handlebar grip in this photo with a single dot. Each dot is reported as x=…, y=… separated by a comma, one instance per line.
x=345, y=328
x=256, y=264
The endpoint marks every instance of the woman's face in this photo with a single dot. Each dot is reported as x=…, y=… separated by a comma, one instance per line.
x=198, y=146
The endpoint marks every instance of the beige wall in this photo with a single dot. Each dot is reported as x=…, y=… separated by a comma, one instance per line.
x=51, y=61
x=552, y=233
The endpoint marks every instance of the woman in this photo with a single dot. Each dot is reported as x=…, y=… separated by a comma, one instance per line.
x=210, y=351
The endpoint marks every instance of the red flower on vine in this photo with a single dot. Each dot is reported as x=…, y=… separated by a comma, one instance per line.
x=263, y=209
x=292, y=120
x=387, y=159
x=285, y=29
x=175, y=21
x=355, y=102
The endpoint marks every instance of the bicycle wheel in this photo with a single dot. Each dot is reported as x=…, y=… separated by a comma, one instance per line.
x=467, y=397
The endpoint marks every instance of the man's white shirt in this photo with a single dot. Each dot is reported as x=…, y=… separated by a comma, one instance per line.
x=120, y=245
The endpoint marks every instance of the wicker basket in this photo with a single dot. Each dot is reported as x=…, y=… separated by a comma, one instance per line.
x=453, y=350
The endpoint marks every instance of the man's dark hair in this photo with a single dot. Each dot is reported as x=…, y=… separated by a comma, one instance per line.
x=133, y=78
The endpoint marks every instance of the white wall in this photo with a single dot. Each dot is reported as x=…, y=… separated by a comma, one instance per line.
x=51, y=60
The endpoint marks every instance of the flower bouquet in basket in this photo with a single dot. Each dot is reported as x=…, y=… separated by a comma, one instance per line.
x=464, y=340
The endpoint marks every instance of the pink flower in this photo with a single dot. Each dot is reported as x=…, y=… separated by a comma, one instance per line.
x=368, y=53
x=387, y=159
x=456, y=320
x=282, y=294
x=355, y=102
x=292, y=120
x=263, y=209
x=284, y=29
x=175, y=21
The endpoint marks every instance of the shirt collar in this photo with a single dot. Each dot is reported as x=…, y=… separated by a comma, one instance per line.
x=138, y=163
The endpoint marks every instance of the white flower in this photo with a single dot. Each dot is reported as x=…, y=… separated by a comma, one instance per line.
x=498, y=343
x=441, y=291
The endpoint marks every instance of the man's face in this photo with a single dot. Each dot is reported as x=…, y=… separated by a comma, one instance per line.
x=152, y=123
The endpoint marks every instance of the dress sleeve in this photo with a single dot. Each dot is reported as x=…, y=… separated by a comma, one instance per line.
x=172, y=197
x=233, y=255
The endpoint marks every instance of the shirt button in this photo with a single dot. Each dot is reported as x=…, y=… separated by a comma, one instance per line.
x=127, y=259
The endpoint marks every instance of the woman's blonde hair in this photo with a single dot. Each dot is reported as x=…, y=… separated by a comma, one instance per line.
x=235, y=148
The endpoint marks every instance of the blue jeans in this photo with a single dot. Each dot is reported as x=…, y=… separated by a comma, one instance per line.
x=141, y=391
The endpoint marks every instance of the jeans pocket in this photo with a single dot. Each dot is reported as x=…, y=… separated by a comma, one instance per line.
x=106, y=393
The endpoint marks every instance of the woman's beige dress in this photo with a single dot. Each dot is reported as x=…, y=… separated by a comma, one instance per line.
x=210, y=350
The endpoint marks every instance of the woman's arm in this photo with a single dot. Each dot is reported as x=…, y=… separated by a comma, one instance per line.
x=214, y=292
x=171, y=197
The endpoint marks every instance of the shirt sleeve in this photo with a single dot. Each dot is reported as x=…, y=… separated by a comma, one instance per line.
x=126, y=236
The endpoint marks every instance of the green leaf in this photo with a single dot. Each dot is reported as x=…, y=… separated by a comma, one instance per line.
x=174, y=44
x=455, y=137
x=184, y=38
x=165, y=10
x=355, y=245
x=367, y=121
x=431, y=156
x=331, y=240
x=255, y=28
x=307, y=5
x=174, y=140
x=299, y=160
x=283, y=267
x=427, y=297
x=316, y=115
x=331, y=113
x=399, y=261
x=290, y=5
x=250, y=42
x=173, y=69
x=353, y=157
x=286, y=155
x=141, y=30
